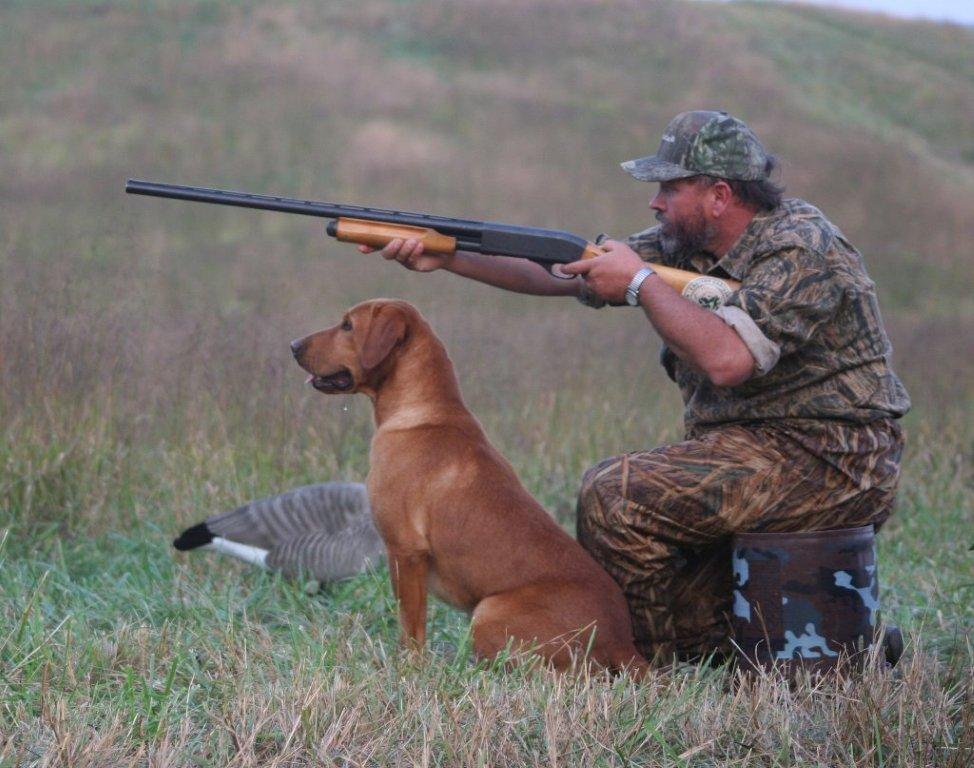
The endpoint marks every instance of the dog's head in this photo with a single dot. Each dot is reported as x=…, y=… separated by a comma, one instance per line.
x=358, y=351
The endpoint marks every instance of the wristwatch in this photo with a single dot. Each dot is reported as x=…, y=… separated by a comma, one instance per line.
x=632, y=292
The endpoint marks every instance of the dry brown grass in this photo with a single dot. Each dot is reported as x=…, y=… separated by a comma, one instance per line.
x=331, y=709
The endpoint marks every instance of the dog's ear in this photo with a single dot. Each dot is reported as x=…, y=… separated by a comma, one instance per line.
x=378, y=337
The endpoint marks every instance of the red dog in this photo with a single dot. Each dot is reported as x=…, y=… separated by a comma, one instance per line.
x=451, y=511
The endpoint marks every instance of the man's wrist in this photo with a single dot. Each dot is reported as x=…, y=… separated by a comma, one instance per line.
x=456, y=261
x=632, y=291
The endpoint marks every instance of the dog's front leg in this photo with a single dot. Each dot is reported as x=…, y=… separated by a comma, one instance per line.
x=409, y=571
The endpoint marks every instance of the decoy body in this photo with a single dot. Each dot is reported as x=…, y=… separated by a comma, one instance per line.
x=322, y=531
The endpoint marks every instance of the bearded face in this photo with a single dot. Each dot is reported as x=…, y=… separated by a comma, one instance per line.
x=684, y=234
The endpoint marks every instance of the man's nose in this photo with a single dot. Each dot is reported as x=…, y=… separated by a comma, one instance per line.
x=657, y=202
x=297, y=347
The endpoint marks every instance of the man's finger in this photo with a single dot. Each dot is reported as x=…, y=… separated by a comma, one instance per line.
x=580, y=267
x=413, y=248
x=405, y=250
x=391, y=251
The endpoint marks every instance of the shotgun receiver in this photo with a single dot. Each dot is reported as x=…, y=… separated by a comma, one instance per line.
x=439, y=234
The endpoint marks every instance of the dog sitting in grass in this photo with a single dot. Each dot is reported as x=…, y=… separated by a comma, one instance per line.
x=453, y=515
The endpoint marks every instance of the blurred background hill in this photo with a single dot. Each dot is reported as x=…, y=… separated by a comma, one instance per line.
x=517, y=111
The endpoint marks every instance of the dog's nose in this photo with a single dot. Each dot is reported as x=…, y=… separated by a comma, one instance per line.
x=297, y=346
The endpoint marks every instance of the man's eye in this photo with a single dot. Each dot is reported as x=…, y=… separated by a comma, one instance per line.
x=346, y=324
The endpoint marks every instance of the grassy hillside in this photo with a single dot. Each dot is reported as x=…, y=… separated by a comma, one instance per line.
x=145, y=378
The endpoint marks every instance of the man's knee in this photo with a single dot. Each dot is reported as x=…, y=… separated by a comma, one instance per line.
x=594, y=497
x=587, y=492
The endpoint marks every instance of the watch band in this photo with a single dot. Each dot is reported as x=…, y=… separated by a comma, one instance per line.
x=632, y=292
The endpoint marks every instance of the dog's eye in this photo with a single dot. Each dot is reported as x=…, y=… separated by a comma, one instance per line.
x=346, y=324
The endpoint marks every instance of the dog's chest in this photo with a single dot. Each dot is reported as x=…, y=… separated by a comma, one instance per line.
x=409, y=480
x=399, y=514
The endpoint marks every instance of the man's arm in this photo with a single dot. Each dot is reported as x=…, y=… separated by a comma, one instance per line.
x=509, y=273
x=696, y=335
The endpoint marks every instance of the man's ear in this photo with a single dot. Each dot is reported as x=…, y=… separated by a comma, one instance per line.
x=722, y=197
x=375, y=339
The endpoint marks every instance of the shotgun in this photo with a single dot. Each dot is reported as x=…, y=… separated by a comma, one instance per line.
x=439, y=234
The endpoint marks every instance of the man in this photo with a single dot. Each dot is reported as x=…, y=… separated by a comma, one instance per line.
x=790, y=399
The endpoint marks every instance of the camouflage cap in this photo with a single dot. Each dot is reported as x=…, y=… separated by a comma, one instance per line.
x=703, y=142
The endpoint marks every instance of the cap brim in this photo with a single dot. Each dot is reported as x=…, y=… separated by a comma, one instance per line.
x=651, y=168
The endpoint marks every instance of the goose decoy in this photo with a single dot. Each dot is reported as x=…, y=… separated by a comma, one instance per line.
x=322, y=531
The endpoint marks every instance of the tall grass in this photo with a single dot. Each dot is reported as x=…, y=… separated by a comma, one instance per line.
x=146, y=381
x=115, y=651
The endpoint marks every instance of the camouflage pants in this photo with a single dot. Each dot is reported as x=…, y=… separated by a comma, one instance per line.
x=661, y=521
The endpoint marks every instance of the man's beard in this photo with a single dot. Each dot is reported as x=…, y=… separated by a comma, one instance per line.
x=687, y=237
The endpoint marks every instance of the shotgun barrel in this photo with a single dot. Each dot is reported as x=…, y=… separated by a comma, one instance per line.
x=544, y=246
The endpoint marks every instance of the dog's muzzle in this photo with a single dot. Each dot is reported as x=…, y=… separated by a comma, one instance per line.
x=341, y=381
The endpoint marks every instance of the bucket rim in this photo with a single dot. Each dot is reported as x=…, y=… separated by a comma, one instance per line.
x=832, y=534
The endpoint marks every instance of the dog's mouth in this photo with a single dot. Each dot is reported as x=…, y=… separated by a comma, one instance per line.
x=340, y=381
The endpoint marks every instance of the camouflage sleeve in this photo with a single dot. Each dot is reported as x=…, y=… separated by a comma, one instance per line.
x=645, y=243
x=789, y=294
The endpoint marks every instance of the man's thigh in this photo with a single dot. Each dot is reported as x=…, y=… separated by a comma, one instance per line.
x=687, y=493
x=698, y=492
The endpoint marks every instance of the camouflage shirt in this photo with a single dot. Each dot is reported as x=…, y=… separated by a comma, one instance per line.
x=806, y=290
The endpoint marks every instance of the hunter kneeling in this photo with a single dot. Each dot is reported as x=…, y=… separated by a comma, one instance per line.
x=791, y=403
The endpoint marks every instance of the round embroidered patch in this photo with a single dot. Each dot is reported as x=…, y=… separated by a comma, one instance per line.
x=708, y=292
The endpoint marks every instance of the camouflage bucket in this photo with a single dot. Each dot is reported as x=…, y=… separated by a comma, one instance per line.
x=805, y=600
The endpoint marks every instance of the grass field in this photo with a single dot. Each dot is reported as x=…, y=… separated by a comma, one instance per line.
x=146, y=381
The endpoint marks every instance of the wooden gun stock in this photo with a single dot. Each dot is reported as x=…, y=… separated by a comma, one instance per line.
x=708, y=291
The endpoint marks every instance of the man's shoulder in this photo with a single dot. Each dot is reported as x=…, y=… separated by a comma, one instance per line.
x=795, y=224
x=796, y=237
x=646, y=243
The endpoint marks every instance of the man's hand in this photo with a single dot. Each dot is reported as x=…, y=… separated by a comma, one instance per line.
x=608, y=275
x=410, y=254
